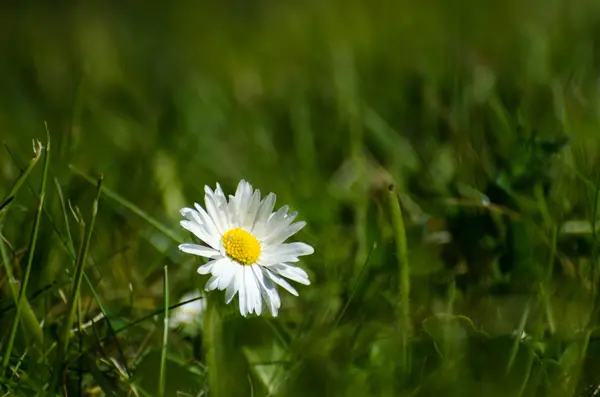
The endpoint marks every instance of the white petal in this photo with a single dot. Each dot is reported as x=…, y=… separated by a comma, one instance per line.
x=200, y=250
x=291, y=272
x=223, y=208
x=235, y=203
x=279, y=221
x=206, y=269
x=264, y=211
x=234, y=285
x=267, y=289
x=199, y=231
x=243, y=195
x=250, y=215
x=208, y=222
x=283, y=234
x=292, y=249
x=276, y=218
x=273, y=255
x=227, y=274
x=212, y=209
x=281, y=282
x=254, y=301
x=191, y=214
x=212, y=283
x=218, y=271
x=233, y=210
x=242, y=291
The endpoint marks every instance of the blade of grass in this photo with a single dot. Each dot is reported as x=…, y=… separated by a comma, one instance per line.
x=133, y=208
x=111, y=329
x=515, y=347
x=30, y=322
x=61, y=198
x=212, y=342
x=163, y=355
x=71, y=250
x=6, y=202
x=33, y=241
x=404, y=270
x=356, y=284
x=141, y=320
x=81, y=260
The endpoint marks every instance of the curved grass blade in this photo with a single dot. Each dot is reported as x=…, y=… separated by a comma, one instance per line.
x=75, y=289
x=12, y=193
x=33, y=241
x=133, y=208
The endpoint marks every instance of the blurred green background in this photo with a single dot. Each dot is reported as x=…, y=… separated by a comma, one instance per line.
x=484, y=115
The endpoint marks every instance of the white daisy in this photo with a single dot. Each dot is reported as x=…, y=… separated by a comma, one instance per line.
x=245, y=246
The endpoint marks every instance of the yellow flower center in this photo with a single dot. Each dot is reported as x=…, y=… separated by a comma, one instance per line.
x=241, y=246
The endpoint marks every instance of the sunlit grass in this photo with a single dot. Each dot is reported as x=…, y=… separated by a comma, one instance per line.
x=477, y=275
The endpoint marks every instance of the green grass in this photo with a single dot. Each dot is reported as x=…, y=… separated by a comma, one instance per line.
x=476, y=276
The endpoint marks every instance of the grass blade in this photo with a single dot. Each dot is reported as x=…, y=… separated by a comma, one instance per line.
x=133, y=208
x=30, y=322
x=404, y=269
x=33, y=241
x=81, y=260
x=70, y=247
x=76, y=287
x=61, y=198
x=7, y=201
x=163, y=356
x=356, y=284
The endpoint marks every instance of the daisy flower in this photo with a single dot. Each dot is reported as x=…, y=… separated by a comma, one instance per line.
x=245, y=246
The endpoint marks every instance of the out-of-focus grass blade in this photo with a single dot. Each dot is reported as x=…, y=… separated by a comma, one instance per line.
x=133, y=208
x=515, y=347
x=30, y=322
x=6, y=202
x=33, y=241
x=81, y=260
x=404, y=270
x=356, y=284
x=163, y=355
x=71, y=251
x=105, y=384
x=61, y=198
x=75, y=288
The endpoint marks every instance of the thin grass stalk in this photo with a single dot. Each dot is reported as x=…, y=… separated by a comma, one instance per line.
x=69, y=246
x=404, y=272
x=8, y=200
x=163, y=356
x=133, y=208
x=28, y=318
x=32, y=245
x=82, y=259
x=212, y=334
